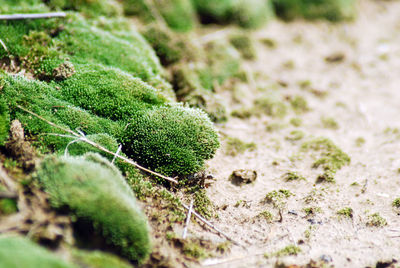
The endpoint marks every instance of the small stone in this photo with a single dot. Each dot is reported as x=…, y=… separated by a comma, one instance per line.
x=335, y=57
x=243, y=176
x=325, y=258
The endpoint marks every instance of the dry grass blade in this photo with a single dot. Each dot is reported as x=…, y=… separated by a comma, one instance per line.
x=189, y=215
x=33, y=16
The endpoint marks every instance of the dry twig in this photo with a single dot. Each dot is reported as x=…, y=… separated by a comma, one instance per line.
x=189, y=215
x=33, y=16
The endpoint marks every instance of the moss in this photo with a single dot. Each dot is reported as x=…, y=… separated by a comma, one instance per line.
x=244, y=45
x=203, y=204
x=293, y=176
x=248, y=14
x=95, y=191
x=396, y=203
x=97, y=259
x=331, y=158
x=360, y=141
x=376, y=220
x=171, y=140
x=4, y=121
x=290, y=250
x=168, y=47
x=235, y=146
x=277, y=198
x=16, y=252
x=295, y=135
x=299, y=104
x=109, y=92
x=332, y=10
x=312, y=210
x=346, y=212
x=178, y=14
x=329, y=122
x=266, y=215
x=194, y=249
x=296, y=121
x=90, y=8
x=272, y=105
x=8, y=206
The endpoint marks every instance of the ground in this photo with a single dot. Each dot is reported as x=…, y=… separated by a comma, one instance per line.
x=348, y=74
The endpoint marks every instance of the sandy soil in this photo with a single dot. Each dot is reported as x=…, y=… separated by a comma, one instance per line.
x=363, y=96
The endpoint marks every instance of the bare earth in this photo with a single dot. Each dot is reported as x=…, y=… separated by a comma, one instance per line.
x=363, y=96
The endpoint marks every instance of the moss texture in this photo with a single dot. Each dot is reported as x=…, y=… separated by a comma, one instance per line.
x=333, y=10
x=97, y=259
x=172, y=140
x=248, y=14
x=94, y=190
x=4, y=121
x=91, y=8
x=17, y=252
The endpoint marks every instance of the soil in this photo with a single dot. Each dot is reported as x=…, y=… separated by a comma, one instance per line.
x=348, y=72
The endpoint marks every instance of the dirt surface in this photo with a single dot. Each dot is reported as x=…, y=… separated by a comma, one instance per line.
x=360, y=81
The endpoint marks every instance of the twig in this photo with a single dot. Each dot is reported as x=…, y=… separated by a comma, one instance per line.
x=33, y=16
x=213, y=262
x=364, y=188
x=189, y=215
x=117, y=153
x=9, y=183
x=9, y=195
x=213, y=227
x=84, y=139
x=3, y=45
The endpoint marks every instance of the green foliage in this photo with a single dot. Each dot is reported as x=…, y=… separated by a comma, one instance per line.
x=89, y=7
x=244, y=45
x=329, y=122
x=290, y=250
x=346, y=212
x=4, y=121
x=109, y=92
x=17, y=252
x=22, y=6
x=293, y=176
x=277, y=198
x=396, y=203
x=172, y=140
x=94, y=190
x=8, y=206
x=248, y=14
x=332, y=158
x=266, y=215
x=376, y=220
x=332, y=10
x=299, y=104
x=97, y=259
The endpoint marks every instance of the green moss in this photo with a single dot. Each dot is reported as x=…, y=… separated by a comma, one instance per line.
x=332, y=158
x=97, y=259
x=109, y=92
x=22, y=6
x=295, y=135
x=396, y=203
x=194, y=250
x=293, y=176
x=8, y=206
x=266, y=215
x=290, y=250
x=235, y=146
x=329, y=122
x=332, y=10
x=272, y=105
x=203, y=204
x=312, y=210
x=4, y=121
x=296, y=122
x=376, y=220
x=248, y=14
x=95, y=191
x=346, y=212
x=17, y=252
x=277, y=198
x=88, y=7
x=172, y=140
x=299, y=104
x=244, y=45
x=360, y=141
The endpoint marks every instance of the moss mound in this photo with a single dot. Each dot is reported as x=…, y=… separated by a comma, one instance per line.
x=17, y=252
x=332, y=10
x=172, y=140
x=88, y=7
x=248, y=14
x=96, y=191
x=4, y=122
x=97, y=259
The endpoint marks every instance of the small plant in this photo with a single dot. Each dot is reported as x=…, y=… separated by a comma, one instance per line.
x=295, y=135
x=312, y=210
x=266, y=215
x=299, y=104
x=290, y=250
x=4, y=121
x=97, y=259
x=360, y=141
x=235, y=146
x=376, y=220
x=346, y=212
x=293, y=176
x=271, y=105
x=329, y=122
x=277, y=198
x=296, y=121
x=244, y=45
x=396, y=203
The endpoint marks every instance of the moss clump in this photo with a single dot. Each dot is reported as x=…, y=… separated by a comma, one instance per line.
x=360, y=141
x=293, y=176
x=4, y=121
x=299, y=104
x=295, y=135
x=91, y=8
x=8, y=206
x=271, y=105
x=290, y=250
x=109, y=92
x=17, y=252
x=235, y=146
x=194, y=249
x=332, y=10
x=331, y=158
x=97, y=259
x=248, y=14
x=95, y=191
x=171, y=140
x=296, y=122
x=376, y=220
x=266, y=215
x=312, y=210
x=396, y=203
x=329, y=122
x=244, y=45
x=202, y=203
x=277, y=198
x=346, y=212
